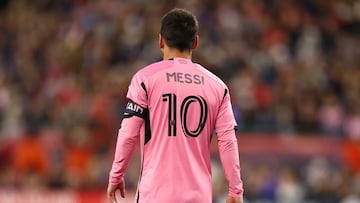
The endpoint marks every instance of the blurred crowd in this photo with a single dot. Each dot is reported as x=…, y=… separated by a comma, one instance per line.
x=292, y=66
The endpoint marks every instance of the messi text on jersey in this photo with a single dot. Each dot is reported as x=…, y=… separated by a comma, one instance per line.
x=185, y=78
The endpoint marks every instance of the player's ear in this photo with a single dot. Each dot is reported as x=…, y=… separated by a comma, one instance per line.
x=196, y=42
x=161, y=42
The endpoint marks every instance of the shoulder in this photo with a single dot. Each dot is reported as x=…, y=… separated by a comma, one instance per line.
x=151, y=69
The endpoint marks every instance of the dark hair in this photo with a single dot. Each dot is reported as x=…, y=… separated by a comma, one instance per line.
x=179, y=28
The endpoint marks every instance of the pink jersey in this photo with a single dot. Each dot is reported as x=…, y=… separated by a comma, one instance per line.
x=174, y=106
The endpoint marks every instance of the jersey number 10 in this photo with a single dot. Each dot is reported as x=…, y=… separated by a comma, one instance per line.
x=184, y=109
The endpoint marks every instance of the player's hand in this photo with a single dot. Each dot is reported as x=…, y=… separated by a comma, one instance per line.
x=111, y=190
x=234, y=200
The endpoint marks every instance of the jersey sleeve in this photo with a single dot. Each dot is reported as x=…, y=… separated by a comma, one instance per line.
x=134, y=115
x=228, y=148
x=125, y=145
x=137, y=90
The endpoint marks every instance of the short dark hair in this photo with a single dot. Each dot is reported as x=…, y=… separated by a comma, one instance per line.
x=179, y=28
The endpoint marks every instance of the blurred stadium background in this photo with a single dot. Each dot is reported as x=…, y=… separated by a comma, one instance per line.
x=292, y=66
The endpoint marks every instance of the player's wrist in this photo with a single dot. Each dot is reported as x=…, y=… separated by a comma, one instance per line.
x=231, y=199
x=115, y=180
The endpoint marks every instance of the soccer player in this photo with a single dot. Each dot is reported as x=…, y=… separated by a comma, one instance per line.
x=174, y=106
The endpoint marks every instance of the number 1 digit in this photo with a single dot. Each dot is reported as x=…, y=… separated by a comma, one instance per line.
x=171, y=99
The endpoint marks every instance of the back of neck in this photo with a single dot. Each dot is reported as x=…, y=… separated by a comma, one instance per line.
x=175, y=53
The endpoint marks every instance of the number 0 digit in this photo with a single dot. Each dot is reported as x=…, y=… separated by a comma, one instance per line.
x=184, y=111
